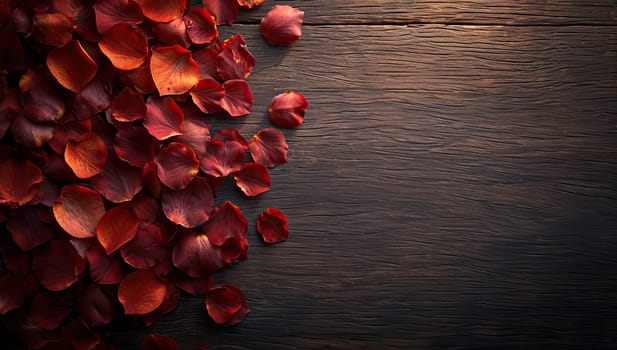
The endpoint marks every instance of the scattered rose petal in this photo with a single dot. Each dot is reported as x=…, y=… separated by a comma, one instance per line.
x=282, y=25
x=53, y=29
x=238, y=98
x=42, y=102
x=47, y=310
x=230, y=134
x=226, y=305
x=191, y=206
x=234, y=60
x=141, y=292
x=207, y=95
x=95, y=306
x=225, y=222
x=234, y=249
x=193, y=286
x=201, y=26
x=206, y=60
x=176, y=165
x=164, y=118
x=111, y=12
x=172, y=33
x=58, y=265
x=140, y=78
x=162, y=10
x=224, y=11
x=117, y=226
x=29, y=226
x=159, y=342
x=250, y=3
x=173, y=70
x=119, y=181
x=19, y=182
x=71, y=65
x=222, y=158
x=287, y=109
x=125, y=46
x=12, y=293
x=94, y=98
x=253, y=179
x=128, y=106
x=147, y=249
x=196, y=133
x=80, y=335
x=272, y=226
x=195, y=255
x=104, y=269
x=268, y=147
x=30, y=134
x=135, y=146
x=86, y=155
x=78, y=210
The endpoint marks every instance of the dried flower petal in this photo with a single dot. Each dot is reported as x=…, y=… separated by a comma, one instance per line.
x=86, y=155
x=95, y=306
x=30, y=134
x=282, y=25
x=119, y=181
x=226, y=305
x=104, y=269
x=207, y=95
x=250, y=3
x=222, y=158
x=58, y=265
x=111, y=12
x=135, y=146
x=172, y=33
x=29, y=226
x=230, y=134
x=147, y=249
x=71, y=65
x=19, y=182
x=287, y=109
x=42, y=102
x=125, y=46
x=224, y=11
x=191, y=206
x=117, y=226
x=128, y=106
x=47, y=310
x=234, y=60
x=12, y=293
x=141, y=292
x=53, y=29
x=162, y=10
x=173, y=70
x=253, y=179
x=201, y=26
x=196, y=133
x=272, y=226
x=225, y=222
x=176, y=165
x=164, y=118
x=195, y=255
x=159, y=342
x=80, y=335
x=268, y=147
x=238, y=98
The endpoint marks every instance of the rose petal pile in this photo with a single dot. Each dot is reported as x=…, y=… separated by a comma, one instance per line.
x=109, y=167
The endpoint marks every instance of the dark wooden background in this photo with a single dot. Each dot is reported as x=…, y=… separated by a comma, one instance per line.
x=454, y=184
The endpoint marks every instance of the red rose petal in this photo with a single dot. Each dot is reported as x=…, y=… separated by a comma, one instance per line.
x=95, y=306
x=71, y=65
x=29, y=226
x=162, y=10
x=206, y=60
x=67, y=130
x=193, y=286
x=111, y=12
x=272, y=226
x=104, y=269
x=80, y=335
x=58, y=265
x=135, y=146
x=128, y=106
x=19, y=182
x=287, y=109
x=119, y=181
x=234, y=249
x=170, y=303
x=147, y=249
x=11, y=44
x=41, y=100
x=141, y=292
x=58, y=171
x=78, y=210
x=191, y=206
x=117, y=226
x=238, y=98
x=150, y=179
x=176, y=165
x=164, y=118
x=86, y=155
x=230, y=134
x=207, y=95
x=253, y=179
x=173, y=70
x=125, y=46
x=141, y=78
x=13, y=259
x=268, y=147
x=174, y=32
x=31, y=135
x=47, y=311
x=226, y=305
x=146, y=208
x=53, y=29
x=94, y=98
x=250, y=3
x=12, y=293
x=282, y=25
x=234, y=60
x=224, y=11
x=201, y=26
x=196, y=132
x=225, y=222
x=159, y=342
x=222, y=158
x=195, y=255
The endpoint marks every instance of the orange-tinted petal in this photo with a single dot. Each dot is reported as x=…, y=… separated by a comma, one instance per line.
x=19, y=182
x=177, y=165
x=224, y=11
x=272, y=226
x=128, y=106
x=192, y=285
x=222, y=158
x=135, y=146
x=111, y=12
x=125, y=46
x=234, y=60
x=119, y=181
x=225, y=222
x=117, y=226
x=282, y=25
x=195, y=255
x=164, y=118
x=226, y=305
x=162, y=10
x=191, y=206
x=253, y=179
x=78, y=210
x=268, y=147
x=173, y=70
x=141, y=292
x=201, y=26
x=53, y=29
x=58, y=265
x=250, y=3
x=86, y=155
x=206, y=60
x=238, y=98
x=287, y=109
x=71, y=65
x=207, y=95
x=30, y=134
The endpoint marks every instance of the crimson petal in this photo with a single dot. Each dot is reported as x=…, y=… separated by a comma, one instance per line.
x=41, y=100
x=141, y=77
x=117, y=226
x=12, y=293
x=104, y=269
x=206, y=60
x=253, y=179
x=80, y=335
x=193, y=286
x=135, y=146
x=19, y=182
x=58, y=265
x=268, y=147
x=222, y=158
x=159, y=342
x=226, y=305
x=128, y=106
x=47, y=311
x=111, y=12
x=287, y=109
x=53, y=29
x=94, y=98
x=67, y=130
x=196, y=132
x=162, y=10
x=86, y=155
x=78, y=210
x=173, y=70
x=95, y=306
x=238, y=98
x=125, y=46
x=176, y=165
x=230, y=134
x=164, y=118
x=191, y=206
x=225, y=222
x=147, y=249
x=119, y=181
x=174, y=32
x=29, y=226
x=30, y=134
x=282, y=25
x=234, y=249
x=195, y=255
x=71, y=65
x=201, y=26
x=250, y=3
x=141, y=292
x=207, y=95
x=272, y=226
x=234, y=60
x=224, y=11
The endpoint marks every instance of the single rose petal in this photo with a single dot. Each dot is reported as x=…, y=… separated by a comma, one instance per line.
x=19, y=182
x=234, y=60
x=234, y=249
x=282, y=25
x=67, y=130
x=173, y=70
x=170, y=303
x=253, y=179
x=78, y=210
x=104, y=269
x=147, y=249
x=117, y=226
x=225, y=222
x=201, y=26
x=84, y=24
x=12, y=293
x=195, y=255
x=230, y=134
x=250, y=3
x=135, y=146
x=141, y=78
x=226, y=305
x=71, y=65
x=111, y=12
x=125, y=46
x=207, y=95
x=173, y=32
x=95, y=306
x=80, y=335
x=193, y=286
x=141, y=292
x=191, y=206
x=53, y=29
x=238, y=98
x=196, y=133
x=272, y=226
x=268, y=147
x=146, y=208
x=47, y=310
x=58, y=265
x=41, y=99
x=29, y=226
x=58, y=171
x=176, y=165
x=95, y=97
x=159, y=342
x=86, y=155
x=206, y=60
x=31, y=135
x=150, y=179
x=287, y=109
x=224, y=11
x=222, y=158
x=164, y=118
x=119, y=181
x=162, y=10
x=128, y=106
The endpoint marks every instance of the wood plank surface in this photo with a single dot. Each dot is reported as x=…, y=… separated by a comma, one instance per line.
x=520, y=12
x=452, y=187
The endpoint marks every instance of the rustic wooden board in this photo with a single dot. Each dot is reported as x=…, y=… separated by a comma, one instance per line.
x=452, y=187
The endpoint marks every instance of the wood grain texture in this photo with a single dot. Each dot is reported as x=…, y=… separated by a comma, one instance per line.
x=512, y=12
x=452, y=187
